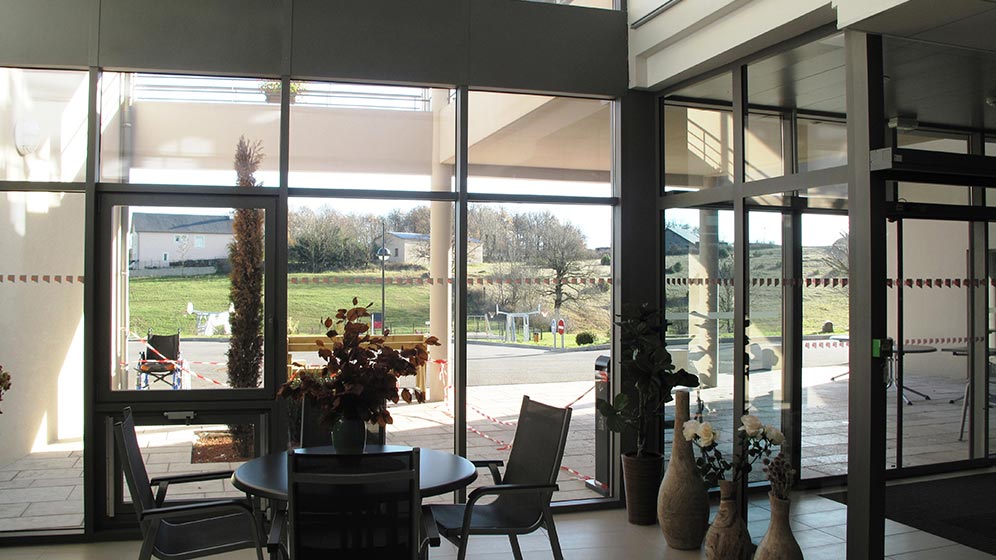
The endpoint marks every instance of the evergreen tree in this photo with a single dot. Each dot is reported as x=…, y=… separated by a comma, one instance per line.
x=245, y=351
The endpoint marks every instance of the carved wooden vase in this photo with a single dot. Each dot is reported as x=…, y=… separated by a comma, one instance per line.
x=778, y=543
x=727, y=538
x=682, y=502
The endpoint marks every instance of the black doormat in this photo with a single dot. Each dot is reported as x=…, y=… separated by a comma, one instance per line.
x=960, y=509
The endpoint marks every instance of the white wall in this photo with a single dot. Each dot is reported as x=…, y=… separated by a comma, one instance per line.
x=696, y=36
x=150, y=246
x=41, y=337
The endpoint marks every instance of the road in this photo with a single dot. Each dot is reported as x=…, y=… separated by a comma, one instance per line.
x=487, y=364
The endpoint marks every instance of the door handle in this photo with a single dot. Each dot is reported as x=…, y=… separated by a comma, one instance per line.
x=185, y=415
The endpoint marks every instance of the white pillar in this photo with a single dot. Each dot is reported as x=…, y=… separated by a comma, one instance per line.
x=440, y=227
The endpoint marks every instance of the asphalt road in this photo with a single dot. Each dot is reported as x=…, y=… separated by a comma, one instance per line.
x=487, y=364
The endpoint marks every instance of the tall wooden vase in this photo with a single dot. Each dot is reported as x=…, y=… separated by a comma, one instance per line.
x=778, y=543
x=727, y=538
x=682, y=502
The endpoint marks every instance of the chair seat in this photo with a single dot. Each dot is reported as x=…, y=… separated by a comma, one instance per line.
x=486, y=518
x=217, y=534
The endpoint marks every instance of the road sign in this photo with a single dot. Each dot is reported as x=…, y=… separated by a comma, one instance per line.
x=560, y=326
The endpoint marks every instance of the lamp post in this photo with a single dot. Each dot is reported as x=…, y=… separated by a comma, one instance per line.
x=383, y=254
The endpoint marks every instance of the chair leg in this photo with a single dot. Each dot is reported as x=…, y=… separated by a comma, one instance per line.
x=551, y=530
x=516, y=551
x=149, y=542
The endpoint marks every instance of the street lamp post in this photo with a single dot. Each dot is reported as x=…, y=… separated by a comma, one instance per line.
x=383, y=254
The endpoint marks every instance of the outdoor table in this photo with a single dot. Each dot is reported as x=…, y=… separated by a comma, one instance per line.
x=439, y=471
x=910, y=349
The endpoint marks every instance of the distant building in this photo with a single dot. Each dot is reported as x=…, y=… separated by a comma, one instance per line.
x=160, y=239
x=677, y=241
x=413, y=248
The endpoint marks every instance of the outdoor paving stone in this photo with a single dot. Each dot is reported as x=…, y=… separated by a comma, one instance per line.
x=46, y=521
x=7, y=474
x=27, y=495
x=154, y=458
x=50, y=473
x=31, y=463
x=18, y=483
x=12, y=510
x=67, y=507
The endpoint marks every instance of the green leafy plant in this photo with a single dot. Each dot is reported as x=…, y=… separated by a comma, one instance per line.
x=584, y=337
x=648, y=374
x=361, y=372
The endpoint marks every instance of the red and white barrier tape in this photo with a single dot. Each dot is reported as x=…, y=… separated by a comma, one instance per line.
x=419, y=281
x=182, y=366
x=41, y=278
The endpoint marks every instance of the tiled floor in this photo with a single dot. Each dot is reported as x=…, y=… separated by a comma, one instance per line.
x=819, y=526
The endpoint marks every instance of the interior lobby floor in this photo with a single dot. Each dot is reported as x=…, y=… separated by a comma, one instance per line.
x=819, y=526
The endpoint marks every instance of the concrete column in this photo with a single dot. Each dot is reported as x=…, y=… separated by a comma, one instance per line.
x=440, y=258
x=703, y=308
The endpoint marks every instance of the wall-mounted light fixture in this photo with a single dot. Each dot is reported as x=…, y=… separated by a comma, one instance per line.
x=904, y=123
x=27, y=136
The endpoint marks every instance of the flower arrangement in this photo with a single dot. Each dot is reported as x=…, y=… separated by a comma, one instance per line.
x=780, y=474
x=755, y=440
x=272, y=87
x=361, y=372
x=4, y=383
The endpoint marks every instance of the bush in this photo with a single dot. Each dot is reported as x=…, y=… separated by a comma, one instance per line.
x=606, y=260
x=584, y=337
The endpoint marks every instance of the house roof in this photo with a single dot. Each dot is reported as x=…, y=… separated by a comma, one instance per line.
x=181, y=223
x=686, y=234
x=420, y=236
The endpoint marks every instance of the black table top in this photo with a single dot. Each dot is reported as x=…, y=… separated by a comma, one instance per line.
x=918, y=349
x=439, y=472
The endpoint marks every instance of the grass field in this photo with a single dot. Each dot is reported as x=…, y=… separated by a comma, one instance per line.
x=160, y=303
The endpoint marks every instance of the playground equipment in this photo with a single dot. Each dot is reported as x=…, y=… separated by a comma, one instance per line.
x=510, y=318
x=209, y=321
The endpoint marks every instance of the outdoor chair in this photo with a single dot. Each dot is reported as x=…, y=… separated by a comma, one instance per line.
x=523, y=495
x=353, y=506
x=161, y=361
x=189, y=529
x=314, y=433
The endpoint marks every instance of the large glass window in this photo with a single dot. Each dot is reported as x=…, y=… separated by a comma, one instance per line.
x=535, y=144
x=533, y=269
x=182, y=130
x=174, y=300
x=43, y=116
x=699, y=298
x=698, y=148
x=41, y=347
x=348, y=136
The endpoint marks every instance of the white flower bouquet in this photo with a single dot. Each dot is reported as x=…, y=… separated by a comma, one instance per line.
x=755, y=439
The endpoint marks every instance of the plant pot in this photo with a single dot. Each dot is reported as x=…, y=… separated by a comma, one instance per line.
x=682, y=502
x=727, y=537
x=778, y=543
x=349, y=436
x=641, y=475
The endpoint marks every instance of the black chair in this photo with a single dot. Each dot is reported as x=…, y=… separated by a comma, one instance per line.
x=523, y=497
x=161, y=361
x=314, y=433
x=353, y=506
x=186, y=530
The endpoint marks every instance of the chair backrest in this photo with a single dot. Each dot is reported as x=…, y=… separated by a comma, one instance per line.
x=538, y=446
x=132, y=463
x=347, y=506
x=166, y=344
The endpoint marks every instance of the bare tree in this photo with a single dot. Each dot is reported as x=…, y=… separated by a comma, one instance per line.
x=837, y=257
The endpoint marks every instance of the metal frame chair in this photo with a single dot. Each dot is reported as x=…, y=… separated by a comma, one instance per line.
x=523, y=495
x=161, y=360
x=353, y=506
x=187, y=530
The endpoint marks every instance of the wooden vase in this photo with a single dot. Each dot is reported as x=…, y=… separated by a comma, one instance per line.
x=727, y=537
x=778, y=543
x=682, y=502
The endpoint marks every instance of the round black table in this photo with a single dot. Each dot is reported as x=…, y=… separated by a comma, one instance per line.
x=439, y=472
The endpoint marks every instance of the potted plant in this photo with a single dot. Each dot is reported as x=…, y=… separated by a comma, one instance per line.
x=359, y=378
x=648, y=376
x=271, y=90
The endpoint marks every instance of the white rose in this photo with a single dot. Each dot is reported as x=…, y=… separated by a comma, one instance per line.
x=752, y=425
x=707, y=435
x=774, y=435
x=689, y=430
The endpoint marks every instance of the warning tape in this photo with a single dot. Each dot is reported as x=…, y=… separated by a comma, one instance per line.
x=928, y=340
x=419, y=281
x=41, y=278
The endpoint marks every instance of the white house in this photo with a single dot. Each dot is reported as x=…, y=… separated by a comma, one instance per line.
x=159, y=239
x=413, y=248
